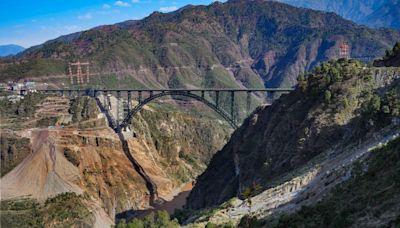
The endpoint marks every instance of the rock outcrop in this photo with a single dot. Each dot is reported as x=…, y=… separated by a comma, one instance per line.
x=339, y=103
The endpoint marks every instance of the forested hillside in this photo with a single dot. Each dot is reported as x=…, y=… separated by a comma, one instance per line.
x=234, y=44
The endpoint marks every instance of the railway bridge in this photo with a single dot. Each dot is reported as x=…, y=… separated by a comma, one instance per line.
x=124, y=98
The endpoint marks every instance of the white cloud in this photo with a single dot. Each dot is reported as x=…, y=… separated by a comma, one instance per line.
x=106, y=6
x=87, y=16
x=122, y=4
x=71, y=28
x=168, y=8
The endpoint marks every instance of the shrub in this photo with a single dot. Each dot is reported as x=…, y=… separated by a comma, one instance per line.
x=157, y=219
x=328, y=96
x=71, y=156
x=248, y=221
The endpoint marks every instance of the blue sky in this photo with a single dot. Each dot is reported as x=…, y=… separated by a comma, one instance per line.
x=30, y=22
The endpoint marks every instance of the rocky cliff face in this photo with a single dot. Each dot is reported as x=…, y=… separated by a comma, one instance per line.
x=339, y=103
x=374, y=13
x=233, y=44
x=80, y=154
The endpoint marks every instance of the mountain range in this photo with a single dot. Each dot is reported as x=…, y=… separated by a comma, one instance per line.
x=374, y=13
x=10, y=49
x=234, y=44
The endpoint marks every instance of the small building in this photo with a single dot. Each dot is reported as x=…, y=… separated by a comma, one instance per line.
x=14, y=98
x=30, y=85
x=17, y=86
x=3, y=87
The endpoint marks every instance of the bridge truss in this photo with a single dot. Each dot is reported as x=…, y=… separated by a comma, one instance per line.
x=124, y=97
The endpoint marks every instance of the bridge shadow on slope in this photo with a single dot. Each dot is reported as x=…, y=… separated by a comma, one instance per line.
x=150, y=185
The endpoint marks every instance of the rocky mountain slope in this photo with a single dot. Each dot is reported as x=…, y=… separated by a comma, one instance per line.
x=340, y=103
x=10, y=49
x=368, y=199
x=392, y=57
x=233, y=44
x=80, y=154
x=374, y=13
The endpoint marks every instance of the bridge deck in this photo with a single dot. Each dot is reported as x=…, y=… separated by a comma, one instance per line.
x=177, y=90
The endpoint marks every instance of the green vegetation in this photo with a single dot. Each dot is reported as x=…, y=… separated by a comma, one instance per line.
x=23, y=108
x=12, y=151
x=250, y=222
x=392, y=53
x=368, y=196
x=71, y=156
x=151, y=126
x=47, y=121
x=83, y=108
x=20, y=213
x=225, y=225
x=203, y=215
x=152, y=220
x=64, y=210
x=347, y=87
x=391, y=58
x=188, y=47
x=33, y=67
x=378, y=111
x=249, y=192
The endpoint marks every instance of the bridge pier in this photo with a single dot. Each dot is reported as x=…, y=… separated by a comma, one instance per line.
x=129, y=100
x=118, y=107
x=233, y=105
x=217, y=98
x=202, y=94
x=248, y=103
x=105, y=99
x=140, y=96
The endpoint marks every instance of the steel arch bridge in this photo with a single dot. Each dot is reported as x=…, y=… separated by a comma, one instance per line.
x=118, y=123
x=229, y=118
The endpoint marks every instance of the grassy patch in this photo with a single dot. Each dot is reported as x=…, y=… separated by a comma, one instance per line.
x=64, y=210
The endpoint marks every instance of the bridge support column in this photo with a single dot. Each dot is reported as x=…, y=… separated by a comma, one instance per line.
x=233, y=105
x=248, y=103
x=140, y=96
x=217, y=98
x=105, y=94
x=202, y=94
x=271, y=95
x=129, y=100
x=151, y=93
x=118, y=106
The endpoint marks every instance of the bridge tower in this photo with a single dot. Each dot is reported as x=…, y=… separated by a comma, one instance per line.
x=79, y=74
x=344, y=50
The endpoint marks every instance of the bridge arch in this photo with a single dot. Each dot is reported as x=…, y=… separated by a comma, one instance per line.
x=141, y=104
